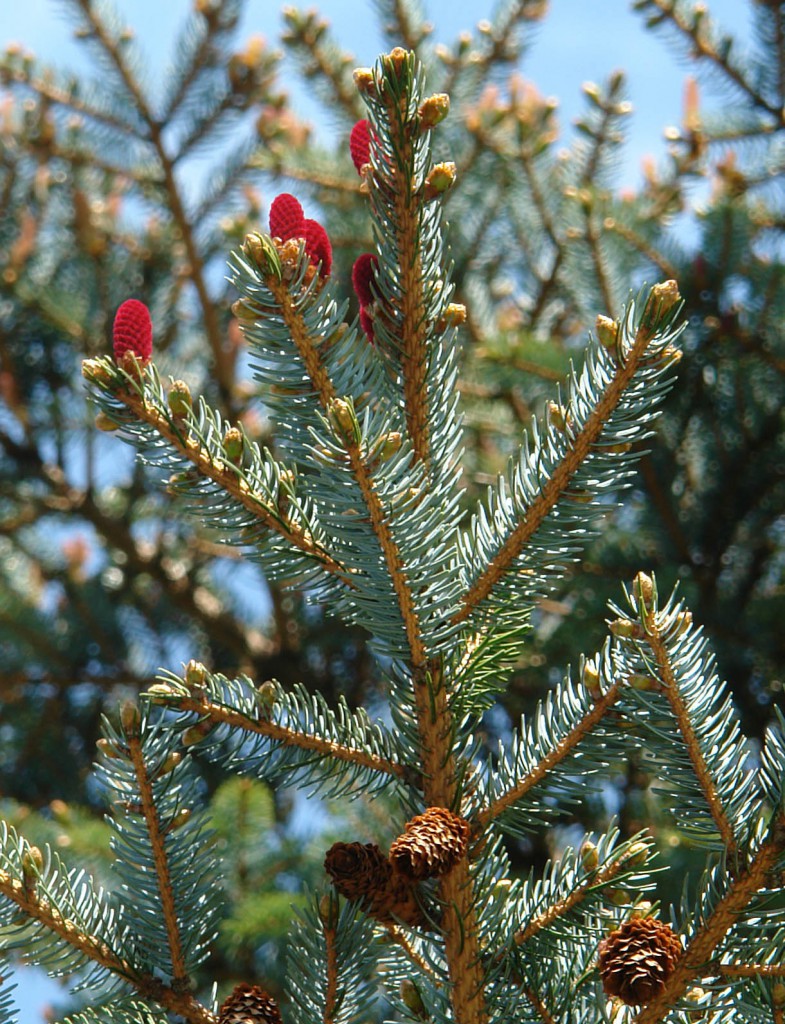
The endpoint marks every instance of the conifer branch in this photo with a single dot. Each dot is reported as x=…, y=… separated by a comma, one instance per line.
x=684, y=720
x=557, y=754
x=195, y=259
x=545, y=1014
x=559, y=480
x=702, y=47
x=325, y=390
x=569, y=902
x=699, y=950
x=220, y=714
x=38, y=908
x=229, y=480
x=158, y=849
x=406, y=205
x=330, y=942
x=655, y=257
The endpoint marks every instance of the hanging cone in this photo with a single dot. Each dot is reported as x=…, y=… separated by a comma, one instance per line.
x=637, y=959
x=249, y=1004
x=432, y=844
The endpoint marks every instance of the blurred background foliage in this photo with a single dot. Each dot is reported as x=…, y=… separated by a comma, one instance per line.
x=116, y=184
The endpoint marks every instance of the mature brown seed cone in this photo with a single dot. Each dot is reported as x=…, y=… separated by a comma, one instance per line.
x=637, y=959
x=357, y=871
x=432, y=844
x=363, y=873
x=249, y=1004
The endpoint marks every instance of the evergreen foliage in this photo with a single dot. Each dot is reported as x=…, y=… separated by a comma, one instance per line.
x=360, y=496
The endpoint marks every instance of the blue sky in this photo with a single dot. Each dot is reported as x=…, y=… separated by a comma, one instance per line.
x=581, y=40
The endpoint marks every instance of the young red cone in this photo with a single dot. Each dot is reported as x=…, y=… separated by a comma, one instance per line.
x=360, y=145
x=363, y=273
x=132, y=332
x=286, y=217
x=317, y=245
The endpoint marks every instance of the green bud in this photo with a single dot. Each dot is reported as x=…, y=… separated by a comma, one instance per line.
x=342, y=420
x=643, y=683
x=96, y=370
x=412, y=999
x=591, y=677
x=663, y=298
x=195, y=674
x=643, y=587
x=161, y=693
x=328, y=909
x=179, y=398
x=389, y=445
x=607, y=332
x=32, y=862
x=267, y=694
x=234, y=443
x=589, y=857
x=637, y=855
x=617, y=896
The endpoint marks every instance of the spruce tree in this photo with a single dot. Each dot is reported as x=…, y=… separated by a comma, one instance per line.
x=360, y=506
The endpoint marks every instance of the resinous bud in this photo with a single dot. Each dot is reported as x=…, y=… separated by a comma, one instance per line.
x=440, y=180
x=196, y=733
x=182, y=816
x=32, y=862
x=365, y=80
x=434, y=110
x=591, y=678
x=267, y=694
x=637, y=855
x=389, y=445
x=160, y=693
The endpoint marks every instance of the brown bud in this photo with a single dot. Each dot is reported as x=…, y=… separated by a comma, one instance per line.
x=434, y=110
x=170, y=763
x=607, y=332
x=441, y=179
x=182, y=816
x=32, y=862
x=160, y=693
x=195, y=674
x=778, y=995
x=626, y=629
x=104, y=421
x=179, y=398
x=107, y=748
x=559, y=416
x=365, y=81
x=643, y=587
x=267, y=694
x=130, y=718
x=196, y=733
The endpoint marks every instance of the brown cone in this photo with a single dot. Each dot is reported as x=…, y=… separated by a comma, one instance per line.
x=249, y=1004
x=637, y=959
x=363, y=873
x=357, y=871
x=432, y=844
